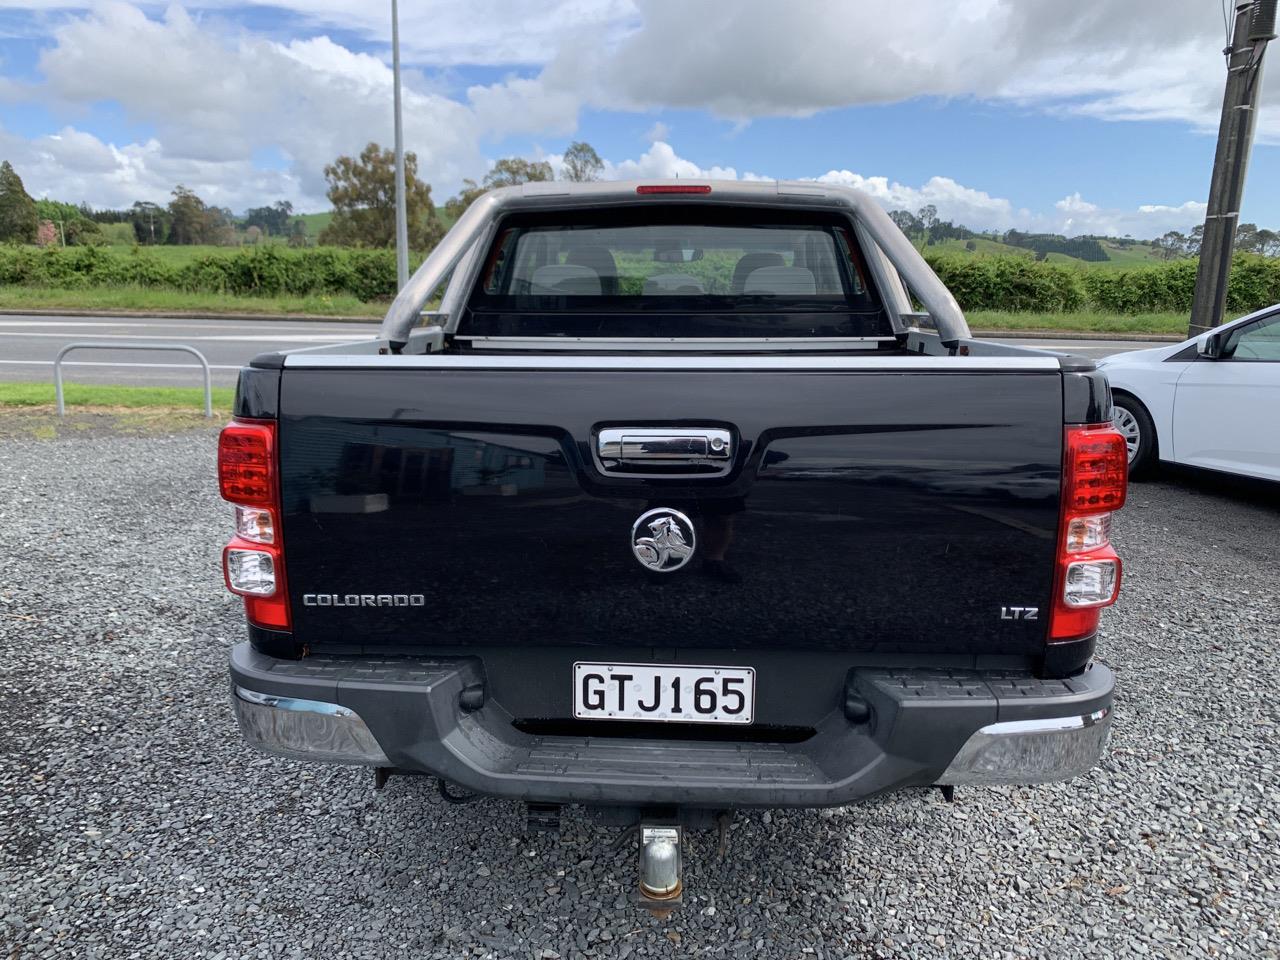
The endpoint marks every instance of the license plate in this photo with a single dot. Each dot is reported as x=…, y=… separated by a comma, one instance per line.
x=656, y=691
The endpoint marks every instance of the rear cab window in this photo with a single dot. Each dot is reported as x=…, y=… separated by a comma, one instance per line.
x=677, y=272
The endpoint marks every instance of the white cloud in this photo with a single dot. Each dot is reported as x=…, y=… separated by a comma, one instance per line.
x=1138, y=60
x=213, y=95
x=976, y=209
x=1077, y=215
x=955, y=202
x=660, y=162
x=74, y=165
x=442, y=33
x=1142, y=59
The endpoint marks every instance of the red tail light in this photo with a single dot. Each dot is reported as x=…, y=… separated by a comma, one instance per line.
x=1096, y=469
x=1095, y=476
x=253, y=562
x=246, y=454
x=646, y=188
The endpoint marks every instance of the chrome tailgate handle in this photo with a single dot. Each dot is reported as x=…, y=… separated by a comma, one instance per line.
x=673, y=446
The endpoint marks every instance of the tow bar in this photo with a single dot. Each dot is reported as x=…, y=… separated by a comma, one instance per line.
x=660, y=888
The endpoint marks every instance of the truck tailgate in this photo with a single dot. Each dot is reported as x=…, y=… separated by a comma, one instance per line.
x=893, y=507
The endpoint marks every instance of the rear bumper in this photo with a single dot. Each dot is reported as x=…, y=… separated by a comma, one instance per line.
x=430, y=716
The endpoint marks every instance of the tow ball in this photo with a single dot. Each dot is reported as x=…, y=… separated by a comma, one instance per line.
x=660, y=888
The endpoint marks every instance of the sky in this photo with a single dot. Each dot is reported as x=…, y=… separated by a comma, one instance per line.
x=1093, y=116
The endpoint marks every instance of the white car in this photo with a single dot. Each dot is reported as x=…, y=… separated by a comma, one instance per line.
x=1212, y=401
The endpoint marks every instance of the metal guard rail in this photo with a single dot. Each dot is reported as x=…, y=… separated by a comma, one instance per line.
x=105, y=345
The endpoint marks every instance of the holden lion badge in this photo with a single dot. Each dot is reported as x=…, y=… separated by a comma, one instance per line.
x=663, y=539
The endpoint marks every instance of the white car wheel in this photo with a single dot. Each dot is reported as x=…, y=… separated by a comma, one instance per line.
x=1124, y=421
x=1134, y=423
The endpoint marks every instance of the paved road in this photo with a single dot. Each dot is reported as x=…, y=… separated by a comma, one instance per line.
x=1095, y=349
x=28, y=345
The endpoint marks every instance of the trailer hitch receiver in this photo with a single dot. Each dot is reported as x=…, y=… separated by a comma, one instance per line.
x=660, y=886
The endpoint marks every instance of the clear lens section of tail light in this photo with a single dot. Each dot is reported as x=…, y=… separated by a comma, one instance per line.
x=1088, y=533
x=1089, y=583
x=252, y=572
x=254, y=524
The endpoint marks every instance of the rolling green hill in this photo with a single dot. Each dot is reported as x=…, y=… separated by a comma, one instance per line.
x=1120, y=255
x=315, y=222
x=982, y=246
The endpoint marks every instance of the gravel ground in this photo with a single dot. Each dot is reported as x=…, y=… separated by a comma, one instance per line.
x=134, y=824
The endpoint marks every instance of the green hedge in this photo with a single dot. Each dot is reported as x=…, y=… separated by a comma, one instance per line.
x=249, y=271
x=1016, y=283
x=978, y=282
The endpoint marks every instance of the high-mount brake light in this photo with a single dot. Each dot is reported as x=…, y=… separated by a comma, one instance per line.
x=650, y=188
x=253, y=562
x=1095, y=479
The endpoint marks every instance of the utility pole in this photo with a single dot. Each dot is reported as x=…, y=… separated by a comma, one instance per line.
x=1255, y=22
x=402, y=216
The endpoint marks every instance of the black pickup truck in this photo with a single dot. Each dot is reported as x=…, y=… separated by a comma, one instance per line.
x=689, y=497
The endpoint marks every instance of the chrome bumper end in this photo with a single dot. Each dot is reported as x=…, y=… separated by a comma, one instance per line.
x=1031, y=751
x=305, y=729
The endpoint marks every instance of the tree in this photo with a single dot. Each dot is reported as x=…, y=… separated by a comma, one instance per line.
x=187, y=217
x=507, y=172
x=455, y=207
x=1268, y=243
x=191, y=220
x=1247, y=237
x=582, y=163
x=18, y=219
x=513, y=171
x=928, y=216
x=71, y=223
x=363, y=193
x=80, y=232
x=150, y=222
x=907, y=222
x=273, y=220
x=1195, y=239
x=1170, y=246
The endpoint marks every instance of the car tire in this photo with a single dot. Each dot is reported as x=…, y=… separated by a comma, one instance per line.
x=1132, y=420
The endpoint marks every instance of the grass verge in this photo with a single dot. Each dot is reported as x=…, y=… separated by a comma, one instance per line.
x=27, y=411
x=1079, y=322
x=173, y=301
x=115, y=398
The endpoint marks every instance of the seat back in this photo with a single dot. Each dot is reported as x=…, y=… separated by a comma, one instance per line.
x=781, y=281
x=748, y=263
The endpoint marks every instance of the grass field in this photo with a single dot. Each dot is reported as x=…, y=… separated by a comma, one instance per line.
x=174, y=301
x=315, y=222
x=983, y=247
x=1123, y=257
x=130, y=398
x=1081, y=321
